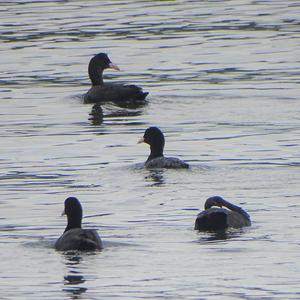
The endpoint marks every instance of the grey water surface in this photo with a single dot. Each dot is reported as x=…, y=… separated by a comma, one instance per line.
x=223, y=81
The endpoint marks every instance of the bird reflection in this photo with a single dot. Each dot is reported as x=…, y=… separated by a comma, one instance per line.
x=131, y=105
x=96, y=114
x=72, y=258
x=217, y=236
x=221, y=235
x=74, y=279
x=75, y=293
x=155, y=177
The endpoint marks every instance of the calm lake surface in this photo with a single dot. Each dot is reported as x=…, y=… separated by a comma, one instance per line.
x=223, y=78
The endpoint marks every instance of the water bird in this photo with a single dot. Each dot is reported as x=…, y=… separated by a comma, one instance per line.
x=109, y=92
x=155, y=138
x=219, y=218
x=74, y=237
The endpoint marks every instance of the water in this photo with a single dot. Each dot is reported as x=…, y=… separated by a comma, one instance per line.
x=223, y=78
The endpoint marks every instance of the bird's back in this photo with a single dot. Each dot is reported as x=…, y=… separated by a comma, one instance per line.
x=237, y=220
x=79, y=239
x=166, y=162
x=110, y=92
x=220, y=219
x=212, y=219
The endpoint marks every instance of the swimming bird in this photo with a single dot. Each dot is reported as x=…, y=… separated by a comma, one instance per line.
x=214, y=219
x=155, y=138
x=109, y=92
x=74, y=237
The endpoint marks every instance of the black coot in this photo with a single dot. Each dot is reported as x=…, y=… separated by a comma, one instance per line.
x=74, y=237
x=214, y=219
x=155, y=138
x=109, y=92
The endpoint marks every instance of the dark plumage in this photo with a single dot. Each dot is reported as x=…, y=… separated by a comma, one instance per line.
x=74, y=237
x=214, y=219
x=155, y=138
x=109, y=92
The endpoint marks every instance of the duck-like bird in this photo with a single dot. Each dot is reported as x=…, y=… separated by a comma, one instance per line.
x=219, y=218
x=109, y=92
x=155, y=138
x=74, y=237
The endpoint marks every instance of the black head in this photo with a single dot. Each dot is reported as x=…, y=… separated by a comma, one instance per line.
x=97, y=64
x=153, y=136
x=101, y=60
x=73, y=210
x=214, y=201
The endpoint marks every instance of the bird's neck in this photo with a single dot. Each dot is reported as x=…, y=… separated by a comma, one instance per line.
x=155, y=152
x=96, y=75
x=74, y=223
x=236, y=209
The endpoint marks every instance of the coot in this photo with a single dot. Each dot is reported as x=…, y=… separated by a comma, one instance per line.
x=109, y=92
x=214, y=219
x=74, y=237
x=155, y=138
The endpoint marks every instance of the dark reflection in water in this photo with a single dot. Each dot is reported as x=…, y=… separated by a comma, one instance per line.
x=155, y=177
x=75, y=293
x=97, y=115
x=216, y=236
x=72, y=258
x=74, y=279
x=131, y=105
